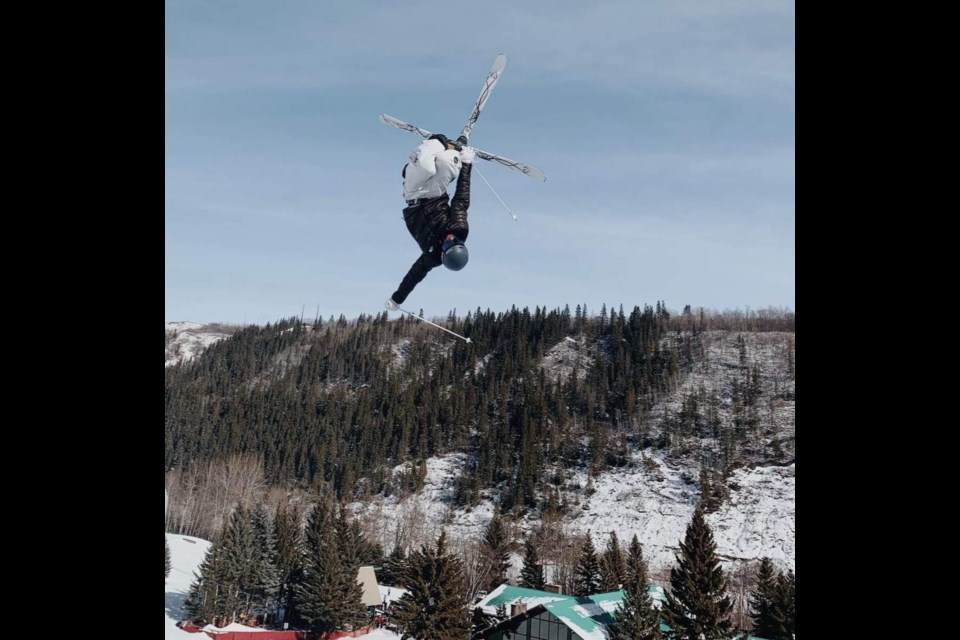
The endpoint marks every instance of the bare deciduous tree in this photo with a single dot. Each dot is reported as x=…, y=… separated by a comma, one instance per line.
x=476, y=570
x=203, y=495
x=741, y=580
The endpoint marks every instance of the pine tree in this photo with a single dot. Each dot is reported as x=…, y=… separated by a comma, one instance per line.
x=637, y=618
x=240, y=560
x=496, y=547
x=265, y=581
x=481, y=620
x=394, y=567
x=587, y=576
x=316, y=592
x=353, y=542
x=698, y=607
x=531, y=576
x=435, y=604
x=767, y=619
x=166, y=558
x=788, y=590
x=328, y=597
x=203, y=603
x=710, y=491
x=785, y=607
x=354, y=549
x=612, y=566
x=289, y=558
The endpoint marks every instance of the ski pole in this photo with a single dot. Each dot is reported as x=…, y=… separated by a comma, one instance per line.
x=412, y=315
x=512, y=214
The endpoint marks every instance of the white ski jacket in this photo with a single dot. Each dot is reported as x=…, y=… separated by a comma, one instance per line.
x=431, y=169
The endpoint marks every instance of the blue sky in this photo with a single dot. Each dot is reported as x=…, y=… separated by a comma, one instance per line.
x=666, y=130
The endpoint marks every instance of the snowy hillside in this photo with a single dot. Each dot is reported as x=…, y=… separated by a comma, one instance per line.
x=186, y=340
x=655, y=495
x=657, y=506
x=186, y=554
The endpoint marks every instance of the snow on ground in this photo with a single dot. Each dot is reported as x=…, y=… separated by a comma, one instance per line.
x=400, y=352
x=656, y=505
x=186, y=554
x=424, y=513
x=759, y=519
x=390, y=594
x=560, y=360
x=721, y=368
x=188, y=340
x=233, y=626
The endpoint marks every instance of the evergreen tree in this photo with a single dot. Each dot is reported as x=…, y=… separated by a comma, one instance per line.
x=637, y=618
x=352, y=541
x=265, y=581
x=531, y=576
x=587, y=575
x=394, y=567
x=481, y=620
x=496, y=548
x=612, y=566
x=698, y=607
x=203, y=603
x=435, y=604
x=240, y=560
x=789, y=590
x=166, y=558
x=289, y=559
x=711, y=491
x=358, y=549
x=768, y=620
x=328, y=597
x=786, y=606
x=316, y=591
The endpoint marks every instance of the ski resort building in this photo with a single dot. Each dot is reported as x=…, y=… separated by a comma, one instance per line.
x=542, y=615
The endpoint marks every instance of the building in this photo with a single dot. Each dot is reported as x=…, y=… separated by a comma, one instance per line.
x=542, y=615
x=368, y=583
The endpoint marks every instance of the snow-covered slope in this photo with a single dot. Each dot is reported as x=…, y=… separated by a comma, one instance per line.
x=758, y=520
x=186, y=554
x=186, y=340
x=655, y=495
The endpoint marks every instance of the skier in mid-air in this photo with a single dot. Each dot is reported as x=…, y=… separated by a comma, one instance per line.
x=439, y=227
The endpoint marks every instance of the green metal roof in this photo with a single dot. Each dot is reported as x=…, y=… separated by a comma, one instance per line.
x=586, y=615
x=507, y=594
x=582, y=614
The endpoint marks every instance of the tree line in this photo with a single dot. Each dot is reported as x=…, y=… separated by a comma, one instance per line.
x=344, y=403
x=302, y=569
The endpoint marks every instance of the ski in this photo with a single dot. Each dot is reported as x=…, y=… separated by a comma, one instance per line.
x=495, y=72
x=422, y=319
x=400, y=124
x=526, y=169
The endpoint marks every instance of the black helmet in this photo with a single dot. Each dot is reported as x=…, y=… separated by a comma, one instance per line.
x=444, y=140
x=455, y=254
